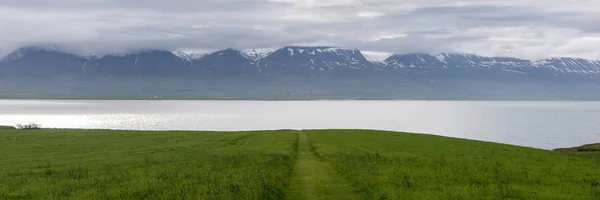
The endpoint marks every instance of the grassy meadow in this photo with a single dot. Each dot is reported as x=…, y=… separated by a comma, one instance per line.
x=98, y=164
x=386, y=165
x=311, y=164
x=7, y=127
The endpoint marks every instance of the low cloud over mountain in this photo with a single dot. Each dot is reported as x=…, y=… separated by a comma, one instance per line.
x=509, y=28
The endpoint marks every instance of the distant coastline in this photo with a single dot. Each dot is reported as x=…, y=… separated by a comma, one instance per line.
x=257, y=98
x=583, y=148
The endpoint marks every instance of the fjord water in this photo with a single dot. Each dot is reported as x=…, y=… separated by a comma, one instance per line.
x=544, y=125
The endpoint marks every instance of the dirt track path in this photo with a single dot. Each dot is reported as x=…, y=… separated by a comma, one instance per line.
x=312, y=179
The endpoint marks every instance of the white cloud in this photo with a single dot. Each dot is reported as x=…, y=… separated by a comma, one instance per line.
x=376, y=56
x=386, y=35
x=369, y=14
x=319, y=3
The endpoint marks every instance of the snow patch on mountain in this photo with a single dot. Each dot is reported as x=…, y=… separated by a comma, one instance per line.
x=514, y=71
x=374, y=56
x=92, y=56
x=345, y=53
x=256, y=54
x=442, y=57
x=569, y=65
x=189, y=56
x=18, y=54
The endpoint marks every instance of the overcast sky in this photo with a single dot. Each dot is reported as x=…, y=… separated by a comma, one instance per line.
x=532, y=29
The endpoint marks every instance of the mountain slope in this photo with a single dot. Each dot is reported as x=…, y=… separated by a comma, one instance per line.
x=294, y=73
x=228, y=62
x=146, y=63
x=42, y=62
x=569, y=65
x=315, y=61
x=470, y=65
x=189, y=57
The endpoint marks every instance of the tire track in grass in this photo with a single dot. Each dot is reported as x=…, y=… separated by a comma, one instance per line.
x=312, y=179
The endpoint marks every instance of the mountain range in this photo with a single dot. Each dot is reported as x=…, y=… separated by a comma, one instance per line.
x=306, y=67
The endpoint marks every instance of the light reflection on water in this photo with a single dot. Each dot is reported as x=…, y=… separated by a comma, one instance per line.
x=537, y=124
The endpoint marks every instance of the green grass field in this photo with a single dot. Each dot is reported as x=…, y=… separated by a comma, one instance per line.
x=7, y=127
x=77, y=164
x=316, y=164
x=385, y=165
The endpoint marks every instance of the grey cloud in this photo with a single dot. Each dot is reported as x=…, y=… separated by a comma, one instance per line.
x=486, y=16
x=107, y=26
x=164, y=37
x=415, y=44
x=438, y=31
x=154, y=5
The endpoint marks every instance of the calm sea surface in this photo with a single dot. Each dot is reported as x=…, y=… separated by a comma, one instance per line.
x=544, y=125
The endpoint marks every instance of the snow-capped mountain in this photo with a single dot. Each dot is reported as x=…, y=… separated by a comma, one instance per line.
x=190, y=57
x=453, y=60
x=452, y=64
x=416, y=60
x=570, y=65
x=316, y=60
x=329, y=71
x=257, y=54
x=292, y=60
x=226, y=62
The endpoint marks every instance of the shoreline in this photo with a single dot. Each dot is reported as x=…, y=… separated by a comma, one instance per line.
x=595, y=147
x=286, y=99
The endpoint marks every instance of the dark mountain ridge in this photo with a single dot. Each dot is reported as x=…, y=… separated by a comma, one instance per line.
x=331, y=71
x=292, y=60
